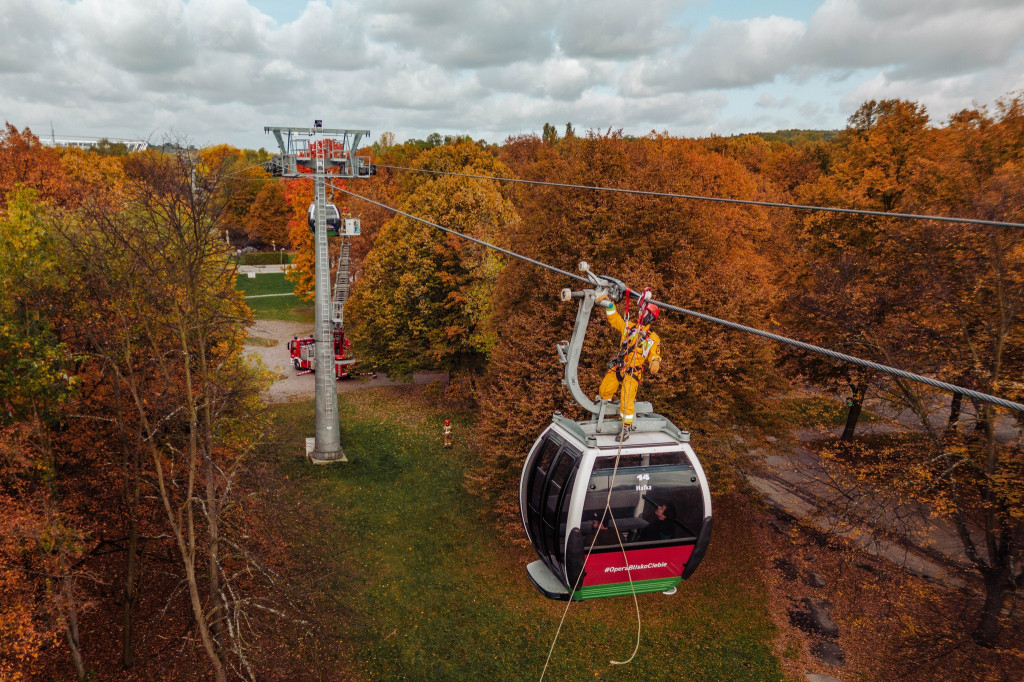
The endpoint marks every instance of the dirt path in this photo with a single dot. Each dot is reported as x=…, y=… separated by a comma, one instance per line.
x=291, y=386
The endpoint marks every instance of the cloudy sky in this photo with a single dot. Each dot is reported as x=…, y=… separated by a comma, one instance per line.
x=220, y=70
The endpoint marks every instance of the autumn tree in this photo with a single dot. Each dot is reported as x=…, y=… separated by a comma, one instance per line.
x=40, y=539
x=298, y=194
x=174, y=346
x=241, y=178
x=970, y=281
x=424, y=300
x=267, y=220
x=840, y=296
x=25, y=161
x=939, y=299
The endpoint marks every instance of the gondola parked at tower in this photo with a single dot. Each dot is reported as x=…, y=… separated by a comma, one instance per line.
x=333, y=219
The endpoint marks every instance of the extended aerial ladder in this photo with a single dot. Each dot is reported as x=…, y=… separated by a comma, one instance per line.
x=341, y=284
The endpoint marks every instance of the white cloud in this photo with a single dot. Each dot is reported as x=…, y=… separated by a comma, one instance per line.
x=217, y=68
x=611, y=29
x=559, y=78
x=139, y=37
x=918, y=39
x=464, y=35
x=728, y=54
x=30, y=31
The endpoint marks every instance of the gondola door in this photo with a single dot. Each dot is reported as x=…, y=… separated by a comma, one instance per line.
x=546, y=499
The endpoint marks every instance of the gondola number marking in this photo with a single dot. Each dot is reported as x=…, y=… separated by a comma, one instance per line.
x=642, y=487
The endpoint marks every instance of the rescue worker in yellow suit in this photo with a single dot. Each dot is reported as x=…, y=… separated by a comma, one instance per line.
x=638, y=345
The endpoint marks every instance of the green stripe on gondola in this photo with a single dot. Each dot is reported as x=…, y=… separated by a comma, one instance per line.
x=623, y=589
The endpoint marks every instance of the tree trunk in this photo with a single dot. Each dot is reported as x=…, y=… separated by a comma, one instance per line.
x=70, y=616
x=130, y=448
x=182, y=526
x=996, y=582
x=66, y=602
x=856, y=403
x=130, y=587
x=217, y=611
x=954, y=412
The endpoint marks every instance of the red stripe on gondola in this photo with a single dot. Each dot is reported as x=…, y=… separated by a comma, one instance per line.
x=644, y=564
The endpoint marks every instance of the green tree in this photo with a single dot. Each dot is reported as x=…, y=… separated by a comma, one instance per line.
x=34, y=387
x=424, y=298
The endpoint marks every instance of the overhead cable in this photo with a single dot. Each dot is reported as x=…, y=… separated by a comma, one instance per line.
x=243, y=170
x=722, y=200
x=459, y=234
x=885, y=369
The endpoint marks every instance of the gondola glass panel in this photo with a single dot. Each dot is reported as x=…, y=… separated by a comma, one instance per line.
x=534, y=493
x=656, y=499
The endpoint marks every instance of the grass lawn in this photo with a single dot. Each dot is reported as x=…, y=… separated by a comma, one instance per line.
x=413, y=581
x=269, y=283
x=287, y=308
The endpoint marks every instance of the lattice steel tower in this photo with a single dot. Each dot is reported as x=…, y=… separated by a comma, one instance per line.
x=326, y=152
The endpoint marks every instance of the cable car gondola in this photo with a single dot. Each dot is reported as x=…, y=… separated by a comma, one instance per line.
x=332, y=216
x=657, y=524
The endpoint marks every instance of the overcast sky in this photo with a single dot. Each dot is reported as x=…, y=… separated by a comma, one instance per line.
x=219, y=70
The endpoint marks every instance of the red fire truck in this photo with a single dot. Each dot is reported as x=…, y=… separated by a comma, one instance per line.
x=303, y=354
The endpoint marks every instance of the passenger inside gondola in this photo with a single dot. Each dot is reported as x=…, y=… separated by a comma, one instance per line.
x=663, y=527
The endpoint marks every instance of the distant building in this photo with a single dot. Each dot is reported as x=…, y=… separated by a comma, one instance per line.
x=83, y=142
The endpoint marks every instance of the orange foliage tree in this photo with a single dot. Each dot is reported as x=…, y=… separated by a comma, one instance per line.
x=693, y=256
x=942, y=299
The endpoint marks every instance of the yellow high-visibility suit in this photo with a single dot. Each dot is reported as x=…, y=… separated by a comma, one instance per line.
x=631, y=370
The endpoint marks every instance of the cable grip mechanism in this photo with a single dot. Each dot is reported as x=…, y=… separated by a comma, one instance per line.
x=603, y=284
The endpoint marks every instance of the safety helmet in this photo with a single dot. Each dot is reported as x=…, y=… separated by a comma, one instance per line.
x=651, y=314
x=446, y=422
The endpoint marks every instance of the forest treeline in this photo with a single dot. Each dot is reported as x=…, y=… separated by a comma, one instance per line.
x=130, y=423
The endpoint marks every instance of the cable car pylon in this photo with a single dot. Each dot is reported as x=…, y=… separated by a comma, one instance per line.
x=321, y=150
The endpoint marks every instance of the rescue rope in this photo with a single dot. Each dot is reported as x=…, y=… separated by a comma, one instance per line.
x=590, y=550
x=644, y=298
x=618, y=535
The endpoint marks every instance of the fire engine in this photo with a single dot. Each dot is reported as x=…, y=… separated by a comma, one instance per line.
x=303, y=354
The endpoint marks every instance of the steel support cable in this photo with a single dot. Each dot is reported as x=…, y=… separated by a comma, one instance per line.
x=722, y=200
x=243, y=170
x=459, y=234
x=835, y=355
x=735, y=326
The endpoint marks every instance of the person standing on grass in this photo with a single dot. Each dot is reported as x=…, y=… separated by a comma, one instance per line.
x=446, y=432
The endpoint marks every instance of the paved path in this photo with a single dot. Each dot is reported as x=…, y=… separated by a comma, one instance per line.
x=796, y=481
x=262, y=269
